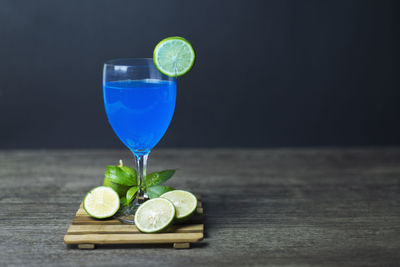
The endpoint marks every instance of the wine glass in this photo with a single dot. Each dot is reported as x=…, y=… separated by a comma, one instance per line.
x=139, y=101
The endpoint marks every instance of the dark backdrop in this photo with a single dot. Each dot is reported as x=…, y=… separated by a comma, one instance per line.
x=268, y=73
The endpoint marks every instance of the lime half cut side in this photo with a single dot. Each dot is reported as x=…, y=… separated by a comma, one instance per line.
x=185, y=203
x=101, y=202
x=174, y=56
x=154, y=215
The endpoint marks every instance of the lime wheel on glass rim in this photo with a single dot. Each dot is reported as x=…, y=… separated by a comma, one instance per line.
x=174, y=56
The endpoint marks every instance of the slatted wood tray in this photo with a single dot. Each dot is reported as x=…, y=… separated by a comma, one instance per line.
x=86, y=232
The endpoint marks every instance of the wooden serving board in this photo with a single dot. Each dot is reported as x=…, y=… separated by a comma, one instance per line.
x=86, y=232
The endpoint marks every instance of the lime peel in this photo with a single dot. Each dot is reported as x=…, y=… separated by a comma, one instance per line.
x=185, y=203
x=101, y=202
x=174, y=56
x=155, y=215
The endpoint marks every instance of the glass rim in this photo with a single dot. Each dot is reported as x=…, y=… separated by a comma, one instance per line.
x=129, y=62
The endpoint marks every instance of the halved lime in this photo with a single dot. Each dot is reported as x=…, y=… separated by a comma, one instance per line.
x=185, y=203
x=101, y=202
x=154, y=215
x=174, y=56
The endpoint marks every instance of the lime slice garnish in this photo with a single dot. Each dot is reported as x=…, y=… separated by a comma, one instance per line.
x=154, y=215
x=185, y=203
x=174, y=56
x=101, y=202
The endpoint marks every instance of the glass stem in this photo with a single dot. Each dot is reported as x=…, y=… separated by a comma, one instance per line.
x=141, y=165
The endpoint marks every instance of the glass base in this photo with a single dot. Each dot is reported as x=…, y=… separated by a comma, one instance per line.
x=127, y=214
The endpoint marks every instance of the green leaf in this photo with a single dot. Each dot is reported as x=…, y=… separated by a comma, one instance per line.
x=129, y=171
x=156, y=178
x=130, y=194
x=120, y=189
x=122, y=201
x=122, y=175
x=157, y=190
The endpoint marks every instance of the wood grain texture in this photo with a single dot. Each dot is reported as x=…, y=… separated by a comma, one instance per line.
x=288, y=207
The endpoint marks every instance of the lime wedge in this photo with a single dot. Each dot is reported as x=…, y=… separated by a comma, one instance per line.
x=101, y=202
x=174, y=56
x=154, y=215
x=185, y=203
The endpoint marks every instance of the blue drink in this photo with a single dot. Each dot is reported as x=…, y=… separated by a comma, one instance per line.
x=140, y=111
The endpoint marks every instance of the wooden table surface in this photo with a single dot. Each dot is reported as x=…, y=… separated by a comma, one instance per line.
x=289, y=207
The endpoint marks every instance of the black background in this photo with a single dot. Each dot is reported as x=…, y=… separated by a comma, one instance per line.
x=268, y=73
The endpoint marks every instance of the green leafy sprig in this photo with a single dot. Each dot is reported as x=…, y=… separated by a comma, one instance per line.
x=123, y=180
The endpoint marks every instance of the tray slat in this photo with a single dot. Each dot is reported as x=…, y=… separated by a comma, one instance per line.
x=85, y=219
x=133, y=238
x=128, y=229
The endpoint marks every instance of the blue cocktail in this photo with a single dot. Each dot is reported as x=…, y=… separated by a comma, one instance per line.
x=140, y=111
